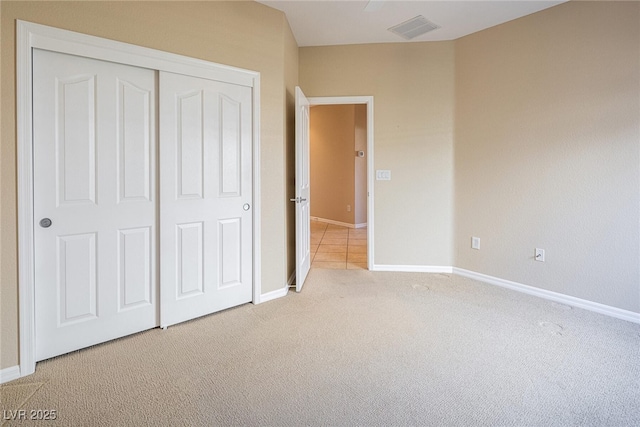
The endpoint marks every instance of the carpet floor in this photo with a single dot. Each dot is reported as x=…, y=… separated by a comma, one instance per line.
x=355, y=348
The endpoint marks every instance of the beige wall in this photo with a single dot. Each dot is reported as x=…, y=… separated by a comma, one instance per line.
x=242, y=34
x=332, y=150
x=547, y=151
x=361, y=165
x=291, y=81
x=546, y=147
x=413, y=89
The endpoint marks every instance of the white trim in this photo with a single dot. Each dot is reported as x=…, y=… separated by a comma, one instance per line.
x=9, y=374
x=340, y=223
x=368, y=101
x=413, y=268
x=278, y=293
x=30, y=36
x=257, y=205
x=607, y=310
x=370, y=184
x=26, y=284
x=71, y=42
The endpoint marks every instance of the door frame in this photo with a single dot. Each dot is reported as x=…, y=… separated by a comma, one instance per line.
x=30, y=36
x=368, y=101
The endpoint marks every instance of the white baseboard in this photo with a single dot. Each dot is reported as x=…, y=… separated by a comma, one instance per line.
x=413, y=268
x=618, y=313
x=342, y=224
x=607, y=310
x=9, y=374
x=278, y=293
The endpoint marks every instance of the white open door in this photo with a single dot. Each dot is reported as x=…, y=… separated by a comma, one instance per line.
x=303, y=215
x=206, y=225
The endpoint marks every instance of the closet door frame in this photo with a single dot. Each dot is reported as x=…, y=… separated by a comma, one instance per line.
x=30, y=36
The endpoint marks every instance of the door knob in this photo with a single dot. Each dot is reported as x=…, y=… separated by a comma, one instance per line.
x=45, y=223
x=246, y=206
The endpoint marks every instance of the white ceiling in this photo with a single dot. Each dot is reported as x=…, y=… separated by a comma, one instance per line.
x=333, y=22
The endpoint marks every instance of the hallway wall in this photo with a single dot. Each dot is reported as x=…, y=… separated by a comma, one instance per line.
x=338, y=175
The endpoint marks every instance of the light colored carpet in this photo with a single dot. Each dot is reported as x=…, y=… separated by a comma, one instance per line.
x=357, y=348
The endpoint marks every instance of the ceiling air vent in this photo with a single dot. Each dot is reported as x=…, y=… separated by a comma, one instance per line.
x=414, y=27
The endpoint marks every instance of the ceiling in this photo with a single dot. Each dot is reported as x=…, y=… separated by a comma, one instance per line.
x=332, y=22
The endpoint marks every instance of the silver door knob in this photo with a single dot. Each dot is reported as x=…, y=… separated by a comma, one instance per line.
x=298, y=200
x=45, y=223
x=246, y=206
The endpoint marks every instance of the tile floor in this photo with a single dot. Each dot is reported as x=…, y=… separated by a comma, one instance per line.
x=337, y=247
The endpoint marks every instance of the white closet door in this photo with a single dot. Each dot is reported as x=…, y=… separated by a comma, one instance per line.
x=205, y=196
x=94, y=174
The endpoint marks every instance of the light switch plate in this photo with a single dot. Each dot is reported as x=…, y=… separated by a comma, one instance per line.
x=475, y=243
x=383, y=175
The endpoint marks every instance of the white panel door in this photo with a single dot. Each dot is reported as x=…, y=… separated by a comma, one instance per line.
x=94, y=201
x=303, y=213
x=206, y=226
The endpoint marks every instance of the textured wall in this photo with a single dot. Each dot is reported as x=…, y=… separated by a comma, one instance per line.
x=547, y=151
x=413, y=89
x=206, y=30
x=291, y=81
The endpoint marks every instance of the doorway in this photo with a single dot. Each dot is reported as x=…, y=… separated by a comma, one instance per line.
x=338, y=176
x=342, y=214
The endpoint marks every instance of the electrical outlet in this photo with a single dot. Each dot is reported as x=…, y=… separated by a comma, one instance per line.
x=539, y=256
x=348, y=208
x=475, y=243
